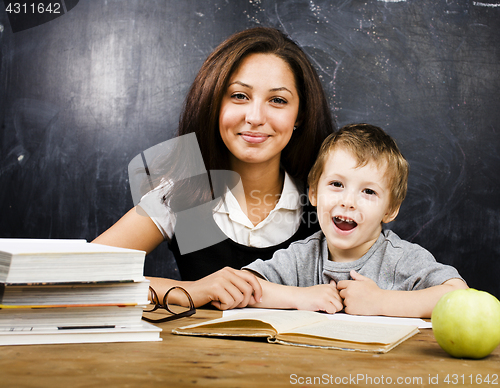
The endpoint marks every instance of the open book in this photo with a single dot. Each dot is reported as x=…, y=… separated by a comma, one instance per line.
x=305, y=328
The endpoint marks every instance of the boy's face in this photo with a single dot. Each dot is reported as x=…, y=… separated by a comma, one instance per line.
x=352, y=202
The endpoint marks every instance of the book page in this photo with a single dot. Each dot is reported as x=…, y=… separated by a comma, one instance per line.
x=280, y=320
x=420, y=323
x=355, y=331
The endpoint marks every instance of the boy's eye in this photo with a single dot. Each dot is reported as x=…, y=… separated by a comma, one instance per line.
x=336, y=184
x=369, y=192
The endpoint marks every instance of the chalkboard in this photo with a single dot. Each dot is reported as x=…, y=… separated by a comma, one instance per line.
x=83, y=94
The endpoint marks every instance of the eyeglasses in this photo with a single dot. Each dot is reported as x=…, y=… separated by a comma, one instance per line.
x=157, y=305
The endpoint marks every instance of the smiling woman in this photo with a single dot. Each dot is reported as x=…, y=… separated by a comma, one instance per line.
x=244, y=105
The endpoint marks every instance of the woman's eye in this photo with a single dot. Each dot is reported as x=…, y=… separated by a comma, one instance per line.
x=278, y=100
x=238, y=96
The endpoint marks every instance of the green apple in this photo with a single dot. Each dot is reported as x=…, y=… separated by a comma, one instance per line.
x=466, y=323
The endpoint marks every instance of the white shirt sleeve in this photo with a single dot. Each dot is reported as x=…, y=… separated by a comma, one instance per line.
x=163, y=217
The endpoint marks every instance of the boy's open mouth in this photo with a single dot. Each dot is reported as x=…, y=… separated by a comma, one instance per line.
x=344, y=223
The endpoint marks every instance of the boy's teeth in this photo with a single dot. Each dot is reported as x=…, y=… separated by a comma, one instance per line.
x=344, y=220
x=344, y=224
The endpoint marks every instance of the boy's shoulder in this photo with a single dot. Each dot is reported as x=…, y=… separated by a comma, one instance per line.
x=392, y=239
x=315, y=238
x=314, y=242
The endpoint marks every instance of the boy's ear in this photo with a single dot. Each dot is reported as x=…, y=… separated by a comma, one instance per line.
x=390, y=216
x=312, y=197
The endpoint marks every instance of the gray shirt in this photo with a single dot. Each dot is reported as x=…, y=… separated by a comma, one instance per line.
x=392, y=263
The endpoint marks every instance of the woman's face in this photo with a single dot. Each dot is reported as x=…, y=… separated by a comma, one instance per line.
x=259, y=110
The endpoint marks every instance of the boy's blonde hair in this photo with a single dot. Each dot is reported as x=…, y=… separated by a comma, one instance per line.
x=367, y=143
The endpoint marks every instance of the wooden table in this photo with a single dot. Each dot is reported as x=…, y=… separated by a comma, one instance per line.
x=183, y=361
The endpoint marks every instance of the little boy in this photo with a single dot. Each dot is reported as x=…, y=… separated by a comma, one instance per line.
x=357, y=184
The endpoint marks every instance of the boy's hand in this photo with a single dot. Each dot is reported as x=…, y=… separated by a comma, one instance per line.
x=361, y=295
x=323, y=297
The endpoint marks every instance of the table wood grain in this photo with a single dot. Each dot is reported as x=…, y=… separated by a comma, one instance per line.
x=184, y=361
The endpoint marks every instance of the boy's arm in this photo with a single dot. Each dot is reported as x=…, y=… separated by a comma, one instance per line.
x=323, y=297
x=362, y=296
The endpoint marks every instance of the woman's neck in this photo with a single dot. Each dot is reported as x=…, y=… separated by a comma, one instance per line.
x=262, y=187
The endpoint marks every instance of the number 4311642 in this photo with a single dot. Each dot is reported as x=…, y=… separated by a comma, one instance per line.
x=471, y=379
x=33, y=8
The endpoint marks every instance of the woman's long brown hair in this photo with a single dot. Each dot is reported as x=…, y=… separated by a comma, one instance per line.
x=202, y=106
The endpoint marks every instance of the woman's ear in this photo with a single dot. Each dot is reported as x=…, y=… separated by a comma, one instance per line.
x=298, y=122
x=312, y=197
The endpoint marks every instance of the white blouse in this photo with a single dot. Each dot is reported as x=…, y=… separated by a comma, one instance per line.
x=281, y=223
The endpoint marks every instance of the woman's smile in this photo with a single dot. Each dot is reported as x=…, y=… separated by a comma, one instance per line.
x=254, y=137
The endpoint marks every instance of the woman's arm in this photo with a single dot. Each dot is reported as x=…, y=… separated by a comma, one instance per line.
x=362, y=296
x=135, y=230
x=323, y=297
x=225, y=289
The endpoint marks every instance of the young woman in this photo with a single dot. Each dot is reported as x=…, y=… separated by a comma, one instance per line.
x=257, y=108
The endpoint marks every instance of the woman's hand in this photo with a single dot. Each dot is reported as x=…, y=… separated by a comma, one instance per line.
x=225, y=289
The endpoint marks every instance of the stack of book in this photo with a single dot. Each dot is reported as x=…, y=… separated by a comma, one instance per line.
x=71, y=291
